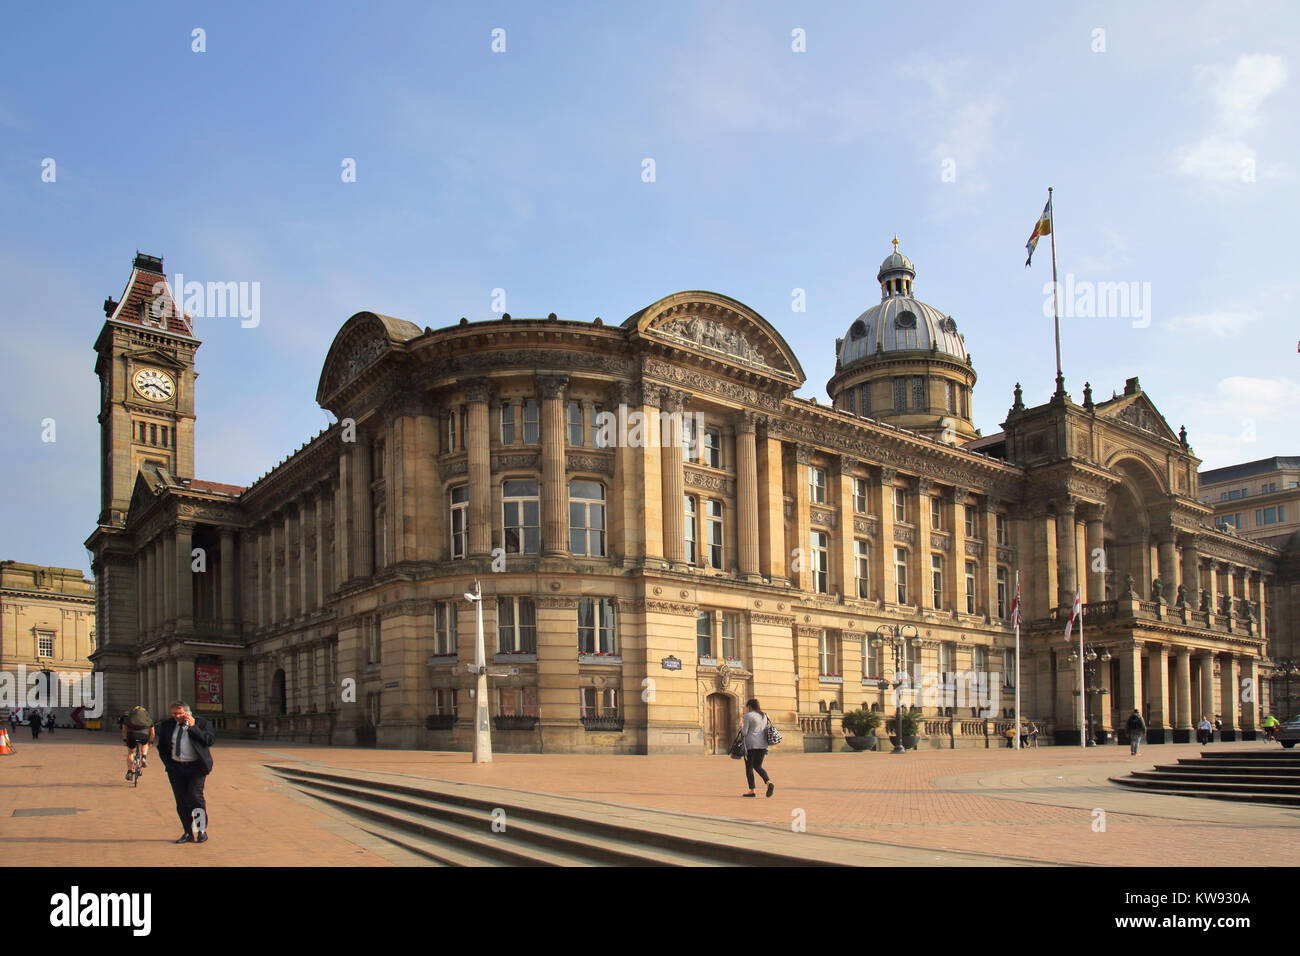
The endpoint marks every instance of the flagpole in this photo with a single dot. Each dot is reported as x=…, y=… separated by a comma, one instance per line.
x=1056, y=312
x=1017, y=727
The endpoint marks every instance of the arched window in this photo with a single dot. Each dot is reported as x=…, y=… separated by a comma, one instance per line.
x=587, y=517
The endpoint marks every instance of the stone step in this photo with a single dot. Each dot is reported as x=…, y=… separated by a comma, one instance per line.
x=1155, y=781
x=1234, y=780
x=466, y=821
x=1290, y=800
x=1231, y=769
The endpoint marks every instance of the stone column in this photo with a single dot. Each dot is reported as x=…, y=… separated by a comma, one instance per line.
x=275, y=593
x=1158, y=723
x=343, y=564
x=1190, y=571
x=1213, y=586
x=169, y=577
x=882, y=563
x=307, y=556
x=229, y=620
x=747, y=496
x=1183, y=722
x=922, y=584
x=1263, y=606
x=840, y=501
x=674, y=487
x=259, y=539
x=989, y=522
x=184, y=576
x=1107, y=700
x=803, y=579
x=1228, y=696
x=292, y=559
x=650, y=466
x=554, y=491
x=954, y=512
x=1207, y=688
x=149, y=592
x=1250, y=696
x=1168, y=553
x=1066, y=553
x=1095, y=546
x=321, y=582
x=1228, y=577
x=772, y=551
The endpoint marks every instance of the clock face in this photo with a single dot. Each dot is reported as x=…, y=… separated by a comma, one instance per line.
x=154, y=384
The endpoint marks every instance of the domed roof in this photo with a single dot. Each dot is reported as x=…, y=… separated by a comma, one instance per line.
x=900, y=323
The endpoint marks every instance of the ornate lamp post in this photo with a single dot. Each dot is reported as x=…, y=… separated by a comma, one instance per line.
x=1091, y=655
x=896, y=635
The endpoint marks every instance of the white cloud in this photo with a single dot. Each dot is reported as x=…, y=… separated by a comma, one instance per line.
x=1116, y=255
x=1238, y=93
x=1259, y=396
x=1219, y=325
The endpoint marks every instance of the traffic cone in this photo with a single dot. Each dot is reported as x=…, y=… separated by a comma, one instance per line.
x=5, y=749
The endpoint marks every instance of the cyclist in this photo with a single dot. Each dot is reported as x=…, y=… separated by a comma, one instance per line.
x=137, y=728
x=1271, y=726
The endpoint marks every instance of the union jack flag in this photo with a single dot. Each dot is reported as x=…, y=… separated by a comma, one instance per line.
x=1015, y=605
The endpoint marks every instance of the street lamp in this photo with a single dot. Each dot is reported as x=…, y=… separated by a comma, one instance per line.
x=482, y=721
x=1091, y=655
x=896, y=636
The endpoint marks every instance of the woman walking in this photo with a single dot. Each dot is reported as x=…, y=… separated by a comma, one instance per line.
x=753, y=732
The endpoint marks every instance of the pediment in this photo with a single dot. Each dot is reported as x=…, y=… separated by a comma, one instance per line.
x=1139, y=412
x=719, y=328
x=361, y=342
x=145, y=492
x=154, y=357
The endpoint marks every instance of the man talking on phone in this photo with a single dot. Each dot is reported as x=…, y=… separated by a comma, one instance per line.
x=182, y=743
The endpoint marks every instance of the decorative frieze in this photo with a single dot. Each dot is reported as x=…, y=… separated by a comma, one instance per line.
x=779, y=620
x=940, y=541
x=823, y=517
x=525, y=462
x=866, y=526
x=597, y=464
x=697, y=381
x=904, y=535
x=714, y=483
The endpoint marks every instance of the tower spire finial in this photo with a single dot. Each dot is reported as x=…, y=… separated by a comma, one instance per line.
x=895, y=241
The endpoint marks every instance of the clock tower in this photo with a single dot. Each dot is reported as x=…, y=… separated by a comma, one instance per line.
x=146, y=373
x=146, y=421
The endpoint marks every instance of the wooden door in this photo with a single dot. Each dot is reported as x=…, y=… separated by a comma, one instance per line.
x=720, y=727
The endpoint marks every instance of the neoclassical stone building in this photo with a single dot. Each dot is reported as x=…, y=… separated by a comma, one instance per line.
x=661, y=531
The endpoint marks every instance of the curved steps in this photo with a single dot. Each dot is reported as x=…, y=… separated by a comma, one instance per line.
x=1264, y=776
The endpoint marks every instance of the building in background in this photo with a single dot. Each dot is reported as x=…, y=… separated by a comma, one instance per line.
x=662, y=530
x=47, y=624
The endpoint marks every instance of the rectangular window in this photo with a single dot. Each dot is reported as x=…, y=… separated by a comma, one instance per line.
x=374, y=642
x=817, y=485
x=949, y=398
x=596, y=626
x=918, y=393
x=153, y=434
x=936, y=515
x=516, y=625
x=862, y=568
x=970, y=587
x=864, y=401
x=521, y=516
x=453, y=419
x=530, y=422
x=936, y=579
x=593, y=703
x=162, y=432
x=970, y=520
x=459, y=521
x=900, y=573
x=1009, y=668
x=900, y=394
x=871, y=668
x=444, y=627
x=691, y=529
x=860, y=495
x=828, y=654
x=714, y=520
x=507, y=423
x=713, y=448
x=730, y=630
x=44, y=643
x=1003, y=605
x=597, y=440
x=1234, y=495
x=900, y=505
x=704, y=634
x=444, y=701
x=979, y=658
x=587, y=518
x=821, y=579
x=143, y=430
x=1003, y=537
x=689, y=438
x=573, y=413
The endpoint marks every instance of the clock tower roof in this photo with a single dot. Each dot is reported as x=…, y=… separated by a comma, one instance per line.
x=148, y=301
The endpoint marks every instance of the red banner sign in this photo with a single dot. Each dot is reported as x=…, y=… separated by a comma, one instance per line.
x=207, y=687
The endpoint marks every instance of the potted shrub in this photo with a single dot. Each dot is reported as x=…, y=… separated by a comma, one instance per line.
x=860, y=728
x=911, y=728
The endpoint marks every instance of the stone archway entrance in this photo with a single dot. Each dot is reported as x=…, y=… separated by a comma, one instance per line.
x=719, y=724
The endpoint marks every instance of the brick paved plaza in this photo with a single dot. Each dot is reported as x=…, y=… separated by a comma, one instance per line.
x=997, y=807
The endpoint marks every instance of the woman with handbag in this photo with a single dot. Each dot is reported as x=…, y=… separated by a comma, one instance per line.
x=756, y=732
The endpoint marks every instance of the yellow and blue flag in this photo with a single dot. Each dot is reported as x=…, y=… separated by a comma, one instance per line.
x=1041, y=228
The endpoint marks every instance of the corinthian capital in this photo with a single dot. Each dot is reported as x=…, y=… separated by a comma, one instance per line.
x=552, y=386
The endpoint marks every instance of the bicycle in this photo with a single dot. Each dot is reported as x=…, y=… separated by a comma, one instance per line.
x=137, y=764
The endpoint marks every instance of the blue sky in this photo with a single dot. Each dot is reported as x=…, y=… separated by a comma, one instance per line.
x=1169, y=136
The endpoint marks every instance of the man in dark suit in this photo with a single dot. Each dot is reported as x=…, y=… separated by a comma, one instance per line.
x=182, y=744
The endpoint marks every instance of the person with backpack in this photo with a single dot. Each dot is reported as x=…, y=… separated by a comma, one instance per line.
x=34, y=721
x=754, y=732
x=137, y=728
x=1137, y=728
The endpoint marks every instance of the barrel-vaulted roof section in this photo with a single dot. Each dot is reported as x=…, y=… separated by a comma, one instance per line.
x=361, y=342
x=719, y=327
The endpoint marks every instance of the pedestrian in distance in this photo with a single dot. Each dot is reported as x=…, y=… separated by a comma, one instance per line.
x=753, y=730
x=1137, y=728
x=1033, y=734
x=183, y=741
x=34, y=721
x=49, y=722
x=1204, y=731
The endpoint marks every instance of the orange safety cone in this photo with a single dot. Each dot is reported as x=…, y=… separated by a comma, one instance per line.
x=5, y=749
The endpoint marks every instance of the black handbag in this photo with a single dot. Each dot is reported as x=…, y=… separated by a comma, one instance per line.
x=737, y=751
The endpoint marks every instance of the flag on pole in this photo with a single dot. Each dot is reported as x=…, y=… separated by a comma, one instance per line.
x=1015, y=605
x=1076, y=613
x=1041, y=228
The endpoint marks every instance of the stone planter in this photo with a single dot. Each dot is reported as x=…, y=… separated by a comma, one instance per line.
x=910, y=741
x=862, y=743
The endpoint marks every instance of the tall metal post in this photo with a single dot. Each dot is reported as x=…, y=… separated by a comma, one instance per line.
x=482, y=720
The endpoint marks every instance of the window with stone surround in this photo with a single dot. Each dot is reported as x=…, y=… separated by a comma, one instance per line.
x=573, y=418
x=936, y=514
x=444, y=628
x=971, y=568
x=936, y=580
x=704, y=635
x=900, y=504
x=44, y=643
x=530, y=422
x=444, y=701
x=900, y=573
x=691, y=528
x=1002, y=592
x=587, y=518
x=596, y=626
x=1003, y=535
x=828, y=654
x=517, y=702
x=713, y=447
x=459, y=521
x=862, y=568
x=507, y=423
x=821, y=562
x=516, y=625
x=593, y=702
x=969, y=513
x=860, y=505
x=817, y=485
x=521, y=516
x=713, y=520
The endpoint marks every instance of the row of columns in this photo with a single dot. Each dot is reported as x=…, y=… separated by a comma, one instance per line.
x=294, y=563
x=1148, y=689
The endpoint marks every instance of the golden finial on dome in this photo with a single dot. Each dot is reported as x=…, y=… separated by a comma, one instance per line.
x=895, y=243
